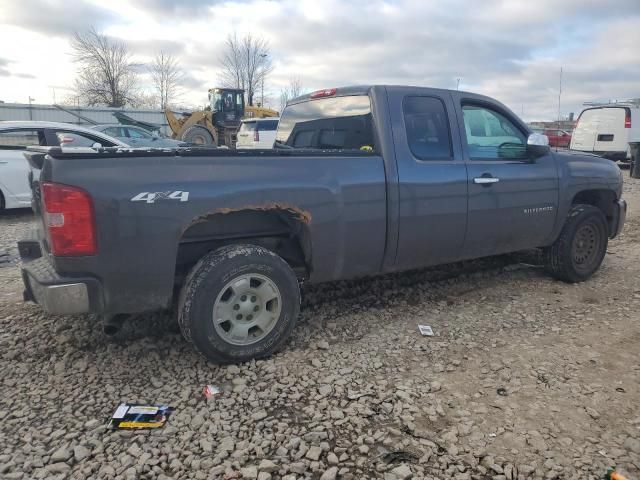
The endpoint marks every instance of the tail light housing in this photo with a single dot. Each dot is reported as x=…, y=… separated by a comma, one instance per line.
x=627, y=118
x=256, y=135
x=69, y=220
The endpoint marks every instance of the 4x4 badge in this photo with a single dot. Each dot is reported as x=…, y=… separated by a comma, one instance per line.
x=151, y=197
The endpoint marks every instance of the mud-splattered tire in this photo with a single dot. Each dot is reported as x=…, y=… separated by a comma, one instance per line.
x=579, y=250
x=239, y=302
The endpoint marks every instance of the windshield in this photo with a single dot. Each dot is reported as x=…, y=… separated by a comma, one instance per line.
x=222, y=101
x=328, y=123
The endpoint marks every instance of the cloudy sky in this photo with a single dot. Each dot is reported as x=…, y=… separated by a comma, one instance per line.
x=510, y=49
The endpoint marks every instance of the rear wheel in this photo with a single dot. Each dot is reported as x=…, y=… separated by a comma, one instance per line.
x=239, y=302
x=198, y=135
x=580, y=249
x=1, y=201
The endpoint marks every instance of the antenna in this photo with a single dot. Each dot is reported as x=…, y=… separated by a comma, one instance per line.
x=559, y=102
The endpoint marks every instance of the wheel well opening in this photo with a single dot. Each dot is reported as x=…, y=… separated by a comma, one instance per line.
x=601, y=199
x=281, y=229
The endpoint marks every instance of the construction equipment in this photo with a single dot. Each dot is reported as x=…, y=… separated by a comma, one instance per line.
x=218, y=124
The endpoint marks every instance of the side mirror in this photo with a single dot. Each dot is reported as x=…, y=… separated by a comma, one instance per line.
x=537, y=145
x=96, y=145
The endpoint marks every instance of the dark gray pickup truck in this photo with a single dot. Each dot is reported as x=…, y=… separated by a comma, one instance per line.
x=362, y=181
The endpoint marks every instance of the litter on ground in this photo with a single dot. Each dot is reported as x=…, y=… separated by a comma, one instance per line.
x=425, y=330
x=211, y=391
x=129, y=416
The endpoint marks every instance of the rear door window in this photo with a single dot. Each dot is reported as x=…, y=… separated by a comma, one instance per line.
x=427, y=128
x=135, y=133
x=335, y=123
x=247, y=127
x=268, y=126
x=115, y=132
x=21, y=138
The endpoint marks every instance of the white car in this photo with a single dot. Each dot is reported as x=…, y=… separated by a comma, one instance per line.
x=15, y=137
x=257, y=133
x=607, y=130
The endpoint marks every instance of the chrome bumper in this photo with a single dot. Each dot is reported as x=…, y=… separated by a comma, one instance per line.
x=63, y=299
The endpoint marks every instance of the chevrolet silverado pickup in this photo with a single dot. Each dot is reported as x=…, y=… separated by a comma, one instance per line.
x=361, y=181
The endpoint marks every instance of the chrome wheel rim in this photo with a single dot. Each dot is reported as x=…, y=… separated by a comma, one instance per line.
x=246, y=309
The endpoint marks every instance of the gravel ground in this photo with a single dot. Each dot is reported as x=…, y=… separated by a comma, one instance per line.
x=526, y=377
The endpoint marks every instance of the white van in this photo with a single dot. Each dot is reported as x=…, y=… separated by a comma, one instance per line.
x=606, y=130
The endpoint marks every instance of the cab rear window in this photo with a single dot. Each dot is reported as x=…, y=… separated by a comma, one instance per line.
x=336, y=123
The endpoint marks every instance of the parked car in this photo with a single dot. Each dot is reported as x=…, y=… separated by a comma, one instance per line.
x=363, y=181
x=257, y=133
x=15, y=137
x=558, y=138
x=607, y=130
x=138, y=136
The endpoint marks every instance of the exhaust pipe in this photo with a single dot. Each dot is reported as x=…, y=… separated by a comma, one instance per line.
x=112, y=324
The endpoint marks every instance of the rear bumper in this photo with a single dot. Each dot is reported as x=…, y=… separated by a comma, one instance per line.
x=619, y=217
x=54, y=293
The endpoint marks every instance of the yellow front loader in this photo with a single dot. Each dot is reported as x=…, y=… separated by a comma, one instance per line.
x=218, y=125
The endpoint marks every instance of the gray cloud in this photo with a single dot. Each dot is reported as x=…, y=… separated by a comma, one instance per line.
x=511, y=50
x=153, y=47
x=56, y=17
x=6, y=72
x=185, y=9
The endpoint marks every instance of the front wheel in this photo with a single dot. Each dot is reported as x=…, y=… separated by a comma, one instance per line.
x=580, y=249
x=198, y=135
x=239, y=303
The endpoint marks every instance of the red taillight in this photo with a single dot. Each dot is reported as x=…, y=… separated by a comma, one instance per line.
x=627, y=119
x=256, y=135
x=327, y=92
x=69, y=220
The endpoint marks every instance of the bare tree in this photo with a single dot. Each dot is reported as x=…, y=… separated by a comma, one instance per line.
x=246, y=64
x=232, y=63
x=293, y=90
x=107, y=76
x=144, y=100
x=166, y=76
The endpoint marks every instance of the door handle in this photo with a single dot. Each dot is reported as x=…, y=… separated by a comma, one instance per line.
x=485, y=180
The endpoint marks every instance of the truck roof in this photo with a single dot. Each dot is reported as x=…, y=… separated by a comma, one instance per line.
x=364, y=90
